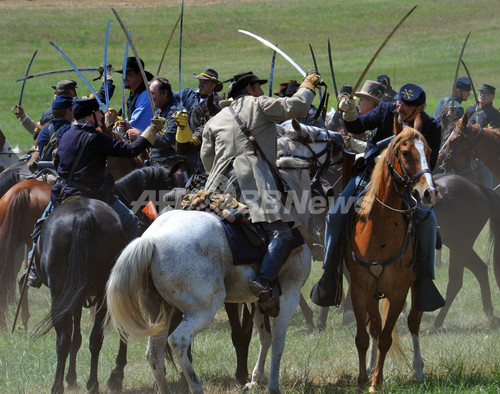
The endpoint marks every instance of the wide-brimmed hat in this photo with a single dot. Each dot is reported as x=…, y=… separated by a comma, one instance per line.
x=488, y=88
x=64, y=85
x=210, y=75
x=287, y=88
x=85, y=106
x=132, y=65
x=372, y=90
x=411, y=94
x=241, y=80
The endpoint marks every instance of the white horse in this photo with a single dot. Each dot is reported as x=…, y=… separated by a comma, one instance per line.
x=184, y=261
x=8, y=156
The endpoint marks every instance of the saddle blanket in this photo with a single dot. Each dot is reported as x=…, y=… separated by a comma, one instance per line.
x=243, y=250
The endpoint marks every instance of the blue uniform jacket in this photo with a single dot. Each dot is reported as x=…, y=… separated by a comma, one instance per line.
x=60, y=127
x=382, y=119
x=91, y=169
x=139, y=109
x=164, y=146
x=188, y=97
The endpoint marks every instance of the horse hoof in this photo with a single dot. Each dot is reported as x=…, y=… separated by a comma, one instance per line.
x=419, y=377
x=251, y=386
x=115, y=381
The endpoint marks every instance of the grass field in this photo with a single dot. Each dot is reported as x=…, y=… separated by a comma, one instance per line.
x=424, y=51
x=462, y=357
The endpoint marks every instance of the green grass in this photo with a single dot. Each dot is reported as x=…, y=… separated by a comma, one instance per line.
x=463, y=357
x=425, y=49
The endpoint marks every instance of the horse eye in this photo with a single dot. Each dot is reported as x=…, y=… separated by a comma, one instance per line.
x=406, y=154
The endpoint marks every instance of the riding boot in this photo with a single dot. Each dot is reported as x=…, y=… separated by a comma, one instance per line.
x=261, y=286
x=33, y=279
x=427, y=296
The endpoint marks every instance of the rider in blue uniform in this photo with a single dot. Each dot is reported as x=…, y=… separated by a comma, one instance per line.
x=409, y=105
x=81, y=162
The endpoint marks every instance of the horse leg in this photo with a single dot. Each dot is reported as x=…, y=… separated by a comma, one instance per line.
x=76, y=342
x=155, y=354
x=385, y=338
x=306, y=311
x=348, y=314
x=323, y=315
x=241, y=335
x=362, y=340
x=455, y=281
x=194, y=321
x=115, y=380
x=63, y=342
x=414, y=319
x=374, y=327
x=265, y=341
x=289, y=302
x=95, y=343
x=480, y=271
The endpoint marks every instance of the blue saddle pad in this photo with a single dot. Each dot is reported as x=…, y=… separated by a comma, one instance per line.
x=244, y=252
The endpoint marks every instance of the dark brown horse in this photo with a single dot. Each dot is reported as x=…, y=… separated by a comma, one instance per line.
x=380, y=251
x=469, y=141
x=76, y=273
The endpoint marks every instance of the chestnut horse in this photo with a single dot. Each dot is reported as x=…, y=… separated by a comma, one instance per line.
x=381, y=250
x=469, y=141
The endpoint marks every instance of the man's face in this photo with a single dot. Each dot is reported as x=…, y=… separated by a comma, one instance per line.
x=159, y=98
x=407, y=113
x=206, y=87
x=255, y=90
x=365, y=105
x=133, y=80
x=463, y=94
x=485, y=98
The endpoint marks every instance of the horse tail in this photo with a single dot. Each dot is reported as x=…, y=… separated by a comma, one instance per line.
x=130, y=287
x=494, y=205
x=10, y=238
x=75, y=283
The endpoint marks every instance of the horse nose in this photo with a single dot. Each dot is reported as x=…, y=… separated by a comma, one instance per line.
x=429, y=197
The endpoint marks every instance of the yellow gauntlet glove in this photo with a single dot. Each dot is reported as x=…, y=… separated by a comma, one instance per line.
x=183, y=134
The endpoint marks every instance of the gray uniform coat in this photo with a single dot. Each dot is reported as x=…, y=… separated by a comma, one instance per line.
x=225, y=145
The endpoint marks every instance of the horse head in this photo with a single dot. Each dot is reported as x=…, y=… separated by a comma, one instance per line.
x=405, y=162
x=304, y=146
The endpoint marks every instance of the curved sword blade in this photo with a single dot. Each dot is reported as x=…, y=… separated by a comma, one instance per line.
x=141, y=68
x=25, y=75
x=456, y=72
x=331, y=68
x=271, y=75
x=470, y=79
x=361, y=78
x=315, y=69
x=274, y=47
x=101, y=105
x=66, y=70
x=105, y=71
x=124, y=75
x=180, y=50
x=168, y=44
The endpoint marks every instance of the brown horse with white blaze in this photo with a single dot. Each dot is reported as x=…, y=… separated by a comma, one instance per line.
x=382, y=250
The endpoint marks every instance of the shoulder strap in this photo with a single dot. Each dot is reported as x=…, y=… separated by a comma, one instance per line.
x=257, y=148
x=79, y=156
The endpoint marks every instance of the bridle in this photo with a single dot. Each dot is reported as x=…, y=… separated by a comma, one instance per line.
x=469, y=150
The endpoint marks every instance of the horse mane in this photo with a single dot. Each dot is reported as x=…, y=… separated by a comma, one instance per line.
x=379, y=174
x=129, y=187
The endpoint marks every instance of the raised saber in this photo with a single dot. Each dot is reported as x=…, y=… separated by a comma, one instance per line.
x=124, y=76
x=331, y=68
x=274, y=47
x=168, y=44
x=25, y=74
x=105, y=71
x=271, y=75
x=470, y=79
x=315, y=69
x=456, y=73
x=361, y=78
x=180, y=51
x=66, y=70
x=101, y=105
x=144, y=78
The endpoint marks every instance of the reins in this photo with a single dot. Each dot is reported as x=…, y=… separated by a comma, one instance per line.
x=469, y=146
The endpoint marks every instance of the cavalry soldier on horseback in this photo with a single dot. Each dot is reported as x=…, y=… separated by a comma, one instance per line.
x=239, y=144
x=407, y=110
x=81, y=163
x=208, y=84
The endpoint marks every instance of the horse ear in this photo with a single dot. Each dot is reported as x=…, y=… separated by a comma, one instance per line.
x=397, y=126
x=465, y=121
x=297, y=126
x=417, y=123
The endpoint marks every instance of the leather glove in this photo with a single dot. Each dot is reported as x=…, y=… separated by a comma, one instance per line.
x=18, y=111
x=310, y=81
x=348, y=107
x=183, y=134
x=154, y=128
